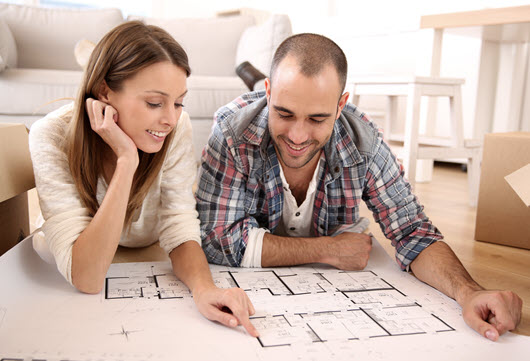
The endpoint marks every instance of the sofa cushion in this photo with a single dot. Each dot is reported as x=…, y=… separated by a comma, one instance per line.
x=258, y=43
x=8, y=48
x=206, y=94
x=82, y=51
x=37, y=90
x=45, y=37
x=211, y=43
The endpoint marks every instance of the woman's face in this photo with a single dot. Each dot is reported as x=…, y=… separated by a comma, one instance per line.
x=149, y=104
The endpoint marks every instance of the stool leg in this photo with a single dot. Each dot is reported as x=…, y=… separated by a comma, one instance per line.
x=390, y=115
x=457, y=135
x=424, y=169
x=412, y=126
x=457, y=124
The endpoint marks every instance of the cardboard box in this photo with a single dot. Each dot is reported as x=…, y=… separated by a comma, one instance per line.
x=503, y=217
x=16, y=178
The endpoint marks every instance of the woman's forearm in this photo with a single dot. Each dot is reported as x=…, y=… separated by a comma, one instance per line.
x=94, y=249
x=190, y=266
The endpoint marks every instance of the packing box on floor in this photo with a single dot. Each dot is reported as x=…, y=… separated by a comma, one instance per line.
x=16, y=178
x=503, y=214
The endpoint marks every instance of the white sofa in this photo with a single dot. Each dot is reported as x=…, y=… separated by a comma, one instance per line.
x=38, y=67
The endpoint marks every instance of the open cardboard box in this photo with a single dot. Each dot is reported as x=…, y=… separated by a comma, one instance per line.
x=503, y=212
x=16, y=178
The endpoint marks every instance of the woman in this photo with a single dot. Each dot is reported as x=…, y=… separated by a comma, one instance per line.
x=117, y=167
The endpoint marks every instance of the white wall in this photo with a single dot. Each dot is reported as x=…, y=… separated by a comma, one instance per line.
x=379, y=37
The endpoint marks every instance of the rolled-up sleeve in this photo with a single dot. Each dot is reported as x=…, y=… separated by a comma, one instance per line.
x=178, y=218
x=397, y=210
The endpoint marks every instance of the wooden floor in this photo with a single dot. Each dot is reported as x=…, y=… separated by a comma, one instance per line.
x=445, y=200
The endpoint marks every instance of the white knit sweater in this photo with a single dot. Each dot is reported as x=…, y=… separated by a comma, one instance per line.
x=168, y=211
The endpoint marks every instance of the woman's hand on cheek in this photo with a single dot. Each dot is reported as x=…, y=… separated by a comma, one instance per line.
x=103, y=118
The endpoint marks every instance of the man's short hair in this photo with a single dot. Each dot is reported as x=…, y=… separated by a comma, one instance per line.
x=313, y=52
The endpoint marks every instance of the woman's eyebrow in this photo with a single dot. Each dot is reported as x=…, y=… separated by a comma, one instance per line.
x=164, y=93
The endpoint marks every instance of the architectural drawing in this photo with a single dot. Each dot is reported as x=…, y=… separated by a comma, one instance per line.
x=302, y=313
x=301, y=304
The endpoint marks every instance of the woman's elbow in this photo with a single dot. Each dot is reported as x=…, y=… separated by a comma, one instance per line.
x=90, y=290
x=90, y=287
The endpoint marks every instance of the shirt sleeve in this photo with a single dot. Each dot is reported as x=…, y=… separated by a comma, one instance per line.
x=178, y=217
x=252, y=256
x=397, y=210
x=222, y=186
x=65, y=217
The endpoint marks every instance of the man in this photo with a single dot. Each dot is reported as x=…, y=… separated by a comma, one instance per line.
x=284, y=172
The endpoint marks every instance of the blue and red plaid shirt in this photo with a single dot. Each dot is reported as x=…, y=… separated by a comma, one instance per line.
x=240, y=186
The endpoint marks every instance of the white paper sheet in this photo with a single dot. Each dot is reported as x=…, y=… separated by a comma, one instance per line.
x=302, y=313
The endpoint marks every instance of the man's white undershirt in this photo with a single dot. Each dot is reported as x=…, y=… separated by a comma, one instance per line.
x=295, y=221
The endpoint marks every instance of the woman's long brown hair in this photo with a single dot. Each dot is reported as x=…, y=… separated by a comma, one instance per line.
x=122, y=53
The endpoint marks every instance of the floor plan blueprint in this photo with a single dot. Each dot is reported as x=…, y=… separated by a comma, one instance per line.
x=312, y=312
x=303, y=304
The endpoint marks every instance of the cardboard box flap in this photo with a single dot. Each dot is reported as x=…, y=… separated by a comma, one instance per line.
x=502, y=217
x=16, y=170
x=520, y=183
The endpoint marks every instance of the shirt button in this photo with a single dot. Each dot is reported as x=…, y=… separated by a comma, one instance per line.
x=337, y=169
x=292, y=228
x=297, y=214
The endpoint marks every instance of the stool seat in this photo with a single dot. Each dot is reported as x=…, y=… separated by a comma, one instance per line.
x=433, y=86
x=405, y=80
x=415, y=146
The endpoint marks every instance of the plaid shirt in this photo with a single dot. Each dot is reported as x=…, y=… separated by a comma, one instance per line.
x=240, y=186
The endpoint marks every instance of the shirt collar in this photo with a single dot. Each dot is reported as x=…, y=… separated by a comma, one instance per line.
x=340, y=151
x=312, y=184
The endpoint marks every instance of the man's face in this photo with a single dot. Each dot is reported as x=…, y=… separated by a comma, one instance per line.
x=302, y=111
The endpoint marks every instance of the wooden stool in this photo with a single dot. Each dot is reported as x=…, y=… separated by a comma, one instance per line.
x=416, y=147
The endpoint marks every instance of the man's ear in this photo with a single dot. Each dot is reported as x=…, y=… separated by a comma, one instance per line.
x=104, y=90
x=268, y=90
x=342, y=103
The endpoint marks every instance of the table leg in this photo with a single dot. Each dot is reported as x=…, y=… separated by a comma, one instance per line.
x=486, y=88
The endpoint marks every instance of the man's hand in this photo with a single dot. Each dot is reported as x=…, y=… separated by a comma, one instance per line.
x=230, y=307
x=348, y=251
x=492, y=313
